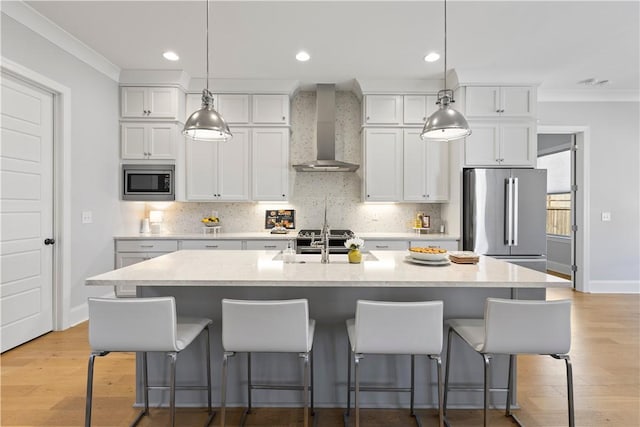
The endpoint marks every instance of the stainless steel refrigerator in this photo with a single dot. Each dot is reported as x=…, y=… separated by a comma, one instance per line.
x=504, y=215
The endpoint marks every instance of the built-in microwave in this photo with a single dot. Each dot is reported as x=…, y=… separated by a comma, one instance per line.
x=148, y=182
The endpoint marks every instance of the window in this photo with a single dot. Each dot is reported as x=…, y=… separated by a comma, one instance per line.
x=558, y=166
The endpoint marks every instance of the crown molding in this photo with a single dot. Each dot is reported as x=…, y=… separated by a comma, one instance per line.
x=30, y=18
x=587, y=95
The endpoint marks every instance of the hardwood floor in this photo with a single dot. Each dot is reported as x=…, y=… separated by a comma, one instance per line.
x=43, y=381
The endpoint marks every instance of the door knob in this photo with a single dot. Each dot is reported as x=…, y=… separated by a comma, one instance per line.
x=49, y=241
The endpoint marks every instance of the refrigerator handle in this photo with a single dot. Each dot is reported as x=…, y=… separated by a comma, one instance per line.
x=515, y=211
x=509, y=212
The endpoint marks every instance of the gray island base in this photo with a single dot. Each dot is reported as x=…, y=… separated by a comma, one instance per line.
x=200, y=279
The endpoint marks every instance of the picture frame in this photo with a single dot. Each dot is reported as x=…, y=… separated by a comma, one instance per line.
x=426, y=221
x=280, y=218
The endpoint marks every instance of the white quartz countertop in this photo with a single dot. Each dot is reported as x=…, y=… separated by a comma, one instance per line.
x=378, y=269
x=259, y=235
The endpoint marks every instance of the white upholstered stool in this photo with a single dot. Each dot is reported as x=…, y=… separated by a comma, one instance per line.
x=143, y=325
x=515, y=327
x=413, y=328
x=268, y=327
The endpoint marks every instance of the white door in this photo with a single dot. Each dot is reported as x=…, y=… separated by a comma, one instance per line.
x=26, y=213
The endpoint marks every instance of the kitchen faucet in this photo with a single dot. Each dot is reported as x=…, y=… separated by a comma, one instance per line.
x=323, y=243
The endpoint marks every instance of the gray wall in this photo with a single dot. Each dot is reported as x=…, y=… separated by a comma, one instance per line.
x=614, y=176
x=94, y=151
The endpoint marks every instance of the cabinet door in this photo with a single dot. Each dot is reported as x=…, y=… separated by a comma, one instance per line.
x=271, y=109
x=133, y=141
x=481, y=147
x=161, y=141
x=124, y=259
x=517, y=101
x=270, y=164
x=414, y=170
x=437, y=171
x=517, y=144
x=193, y=103
x=383, y=110
x=234, y=108
x=202, y=177
x=415, y=109
x=386, y=245
x=383, y=165
x=233, y=166
x=162, y=102
x=482, y=101
x=212, y=244
x=132, y=102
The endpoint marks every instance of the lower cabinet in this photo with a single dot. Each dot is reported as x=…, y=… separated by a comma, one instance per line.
x=386, y=245
x=129, y=252
x=211, y=244
x=267, y=245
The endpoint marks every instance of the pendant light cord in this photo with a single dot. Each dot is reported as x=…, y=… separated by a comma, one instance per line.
x=207, y=44
x=445, y=44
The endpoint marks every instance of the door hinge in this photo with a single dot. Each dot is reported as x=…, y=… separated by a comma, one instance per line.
x=574, y=227
x=574, y=268
x=574, y=188
x=574, y=148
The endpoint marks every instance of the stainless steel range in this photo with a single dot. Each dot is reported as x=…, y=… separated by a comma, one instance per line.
x=336, y=241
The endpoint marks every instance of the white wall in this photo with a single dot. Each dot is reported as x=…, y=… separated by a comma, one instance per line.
x=94, y=153
x=614, y=176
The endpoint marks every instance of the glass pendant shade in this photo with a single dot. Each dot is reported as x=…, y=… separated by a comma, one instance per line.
x=206, y=124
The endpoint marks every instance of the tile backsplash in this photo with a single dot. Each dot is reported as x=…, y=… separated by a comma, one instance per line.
x=342, y=190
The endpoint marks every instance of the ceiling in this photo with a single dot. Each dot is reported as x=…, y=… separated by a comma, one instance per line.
x=553, y=43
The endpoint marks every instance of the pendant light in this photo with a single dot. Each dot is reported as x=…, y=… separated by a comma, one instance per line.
x=446, y=124
x=206, y=124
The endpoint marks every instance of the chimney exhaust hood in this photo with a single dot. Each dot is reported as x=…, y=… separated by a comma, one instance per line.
x=326, y=135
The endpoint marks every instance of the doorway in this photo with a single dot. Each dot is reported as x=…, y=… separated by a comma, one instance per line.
x=26, y=212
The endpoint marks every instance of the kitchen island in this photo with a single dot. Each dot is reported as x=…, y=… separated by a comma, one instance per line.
x=199, y=279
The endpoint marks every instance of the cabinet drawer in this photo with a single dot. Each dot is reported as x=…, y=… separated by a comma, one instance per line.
x=146, y=245
x=211, y=244
x=386, y=245
x=267, y=245
x=450, y=245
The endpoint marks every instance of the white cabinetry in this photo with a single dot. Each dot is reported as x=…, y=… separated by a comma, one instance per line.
x=501, y=144
x=426, y=169
x=270, y=109
x=386, y=245
x=148, y=140
x=150, y=102
x=218, y=171
x=129, y=252
x=233, y=107
x=270, y=164
x=383, y=110
x=495, y=101
x=267, y=245
x=418, y=107
x=382, y=165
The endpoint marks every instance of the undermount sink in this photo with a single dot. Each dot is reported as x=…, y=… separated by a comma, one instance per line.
x=333, y=258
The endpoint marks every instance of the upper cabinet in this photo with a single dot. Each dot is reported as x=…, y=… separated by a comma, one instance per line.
x=151, y=103
x=426, y=169
x=148, y=140
x=500, y=101
x=501, y=144
x=418, y=107
x=270, y=164
x=270, y=109
x=382, y=165
x=382, y=110
x=233, y=107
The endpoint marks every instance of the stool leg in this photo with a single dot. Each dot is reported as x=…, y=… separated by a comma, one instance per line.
x=249, y=384
x=356, y=363
x=89, y=398
x=446, y=374
x=567, y=362
x=510, y=385
x=145, y=382
x=172, y=388
x=348, y=380
x=313, y=412
x=208, y=363
x=440, y=389
x=413, y=383
x=487, y=377
x=223, y=390
x=305, y=387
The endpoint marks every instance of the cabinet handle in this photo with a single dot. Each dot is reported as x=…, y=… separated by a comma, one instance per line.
x=382, y=246
x=284, y=118
x=284, y=195
x=269, y=246
x=368, y=196
x=211, y=246
x=146, y=246
x=424, y=119
x=368, y=118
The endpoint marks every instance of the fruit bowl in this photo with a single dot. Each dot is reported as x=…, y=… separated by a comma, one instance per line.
x=428, y=254
x=211, y=221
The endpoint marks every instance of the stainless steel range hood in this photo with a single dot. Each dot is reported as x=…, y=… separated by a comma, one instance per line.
x=326, y=135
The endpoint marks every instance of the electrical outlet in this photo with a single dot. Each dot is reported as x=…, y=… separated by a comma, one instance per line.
x=87, y=217
x=606, y=216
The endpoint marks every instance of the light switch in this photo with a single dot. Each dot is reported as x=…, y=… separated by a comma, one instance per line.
x=87, y=217
x=606, y=216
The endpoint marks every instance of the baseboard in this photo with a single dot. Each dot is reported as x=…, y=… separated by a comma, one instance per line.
x=78, y=314
x=560, y=268
x=614, y=287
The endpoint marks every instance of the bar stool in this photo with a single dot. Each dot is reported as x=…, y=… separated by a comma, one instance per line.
x=269, y=327
x=144, y=325
x=413, y=328
x=515, y=327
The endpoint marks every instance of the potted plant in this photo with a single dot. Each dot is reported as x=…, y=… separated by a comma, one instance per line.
x=354, y=244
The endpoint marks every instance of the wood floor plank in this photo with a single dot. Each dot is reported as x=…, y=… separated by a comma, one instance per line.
x=43, y=381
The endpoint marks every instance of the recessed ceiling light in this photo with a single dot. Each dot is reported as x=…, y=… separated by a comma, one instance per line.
x=302, y=56
x=171, y=56
x=432, y=57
